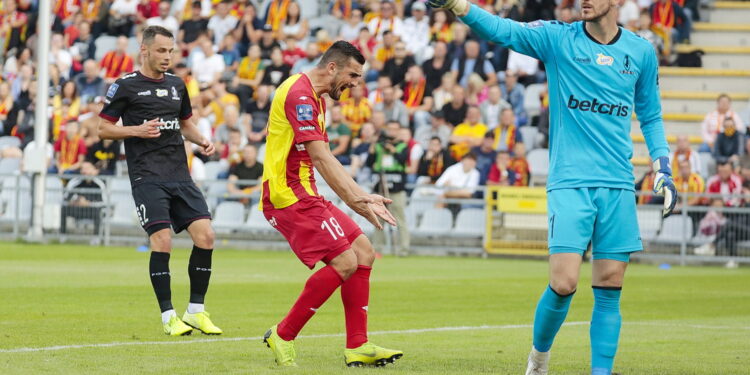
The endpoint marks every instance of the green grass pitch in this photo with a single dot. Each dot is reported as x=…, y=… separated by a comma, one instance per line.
x=682, y=321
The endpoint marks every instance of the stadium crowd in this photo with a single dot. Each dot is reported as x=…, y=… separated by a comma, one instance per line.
x=438, y=105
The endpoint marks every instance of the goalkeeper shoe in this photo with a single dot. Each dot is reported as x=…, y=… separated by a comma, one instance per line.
x=283, y=350
x=201, y=322
x=176, y=327
x=370, y=354
x=538, y=362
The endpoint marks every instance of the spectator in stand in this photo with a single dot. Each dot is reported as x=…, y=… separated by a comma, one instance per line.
x=485, y=153
x=500, y=172
x=728, y=146
x=456, y=46
x=414, y=152
x=376, y=96
x=13, y=63
x=206, y=64
x=476, y=92
x=384, y=51
x=520, y=166
x=513, y=93
x=124, y=13
x=386, y=21
x=629, y=15
x=267, y=43
x=644, y=188
x=687, y=181
x=66, y=107
x=117, y=62
x=249, y=74
x=645, y=32
x=713, y=122
x=745, y=159
x=339, y=136
x=89, y=83
x=443, y=94
x=378, y=120
x=468, y=134
x=228, y=51
x=83, y=198
x=351, y=28
x=191, y=84
x=568, y=14
x=83, y=47
x=397, y=66
x=146, y=9
x=460, y=181
x=685, y=153
x=435, y=160
x=360, y=150
x=70, y=151
x=164, y=19
x=294, y=25
x=356, y=109
x=417, y=31
x=277, y=72
x=292, y=52
x=222, y=22
x=221, y=98
x=276, y=14
x=395, y=110
x=192, y=28
x=250, y=169
x=726, y=183
x=249, y=28
x=670, y=22
x=259, y=110
x=539, y=10
x=493, y=106
x=525, y=67
x=15, y=26
x=312, y=56
x=437, y=129
x=231, y=122
x=506, y=134
x=365, y=43
x=441, y=22
x=231, y=152
x=418, y=102
x=473, y=62
x=60, y=57
x=104, y=155
x=436, y=67
x=455, y=111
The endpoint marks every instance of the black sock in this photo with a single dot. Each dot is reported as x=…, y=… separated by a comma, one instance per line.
x=160, y=279
x=199, y=270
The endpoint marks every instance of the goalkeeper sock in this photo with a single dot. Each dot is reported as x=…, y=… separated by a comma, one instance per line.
x=355, y=294
x=605, y=329
x=158, y=268
x=318, y=289
x=550, y=315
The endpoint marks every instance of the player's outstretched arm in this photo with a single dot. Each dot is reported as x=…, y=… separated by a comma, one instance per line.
x=369, y=206
x=190, y=131
x=109, y=130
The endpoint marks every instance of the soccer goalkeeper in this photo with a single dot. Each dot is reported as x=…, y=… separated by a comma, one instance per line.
x=599, y=74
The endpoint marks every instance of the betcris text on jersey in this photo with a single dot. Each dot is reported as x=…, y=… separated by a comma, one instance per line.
x=173, y=124
x=596, y=106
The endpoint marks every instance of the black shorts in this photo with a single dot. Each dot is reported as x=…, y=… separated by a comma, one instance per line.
x=163, y=204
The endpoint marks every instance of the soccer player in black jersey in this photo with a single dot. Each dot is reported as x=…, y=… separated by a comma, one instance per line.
x=156, y=114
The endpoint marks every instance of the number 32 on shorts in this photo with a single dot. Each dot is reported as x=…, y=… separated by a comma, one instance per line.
x=333, y=228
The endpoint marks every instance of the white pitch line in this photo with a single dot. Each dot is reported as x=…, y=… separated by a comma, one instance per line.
x=328, y=335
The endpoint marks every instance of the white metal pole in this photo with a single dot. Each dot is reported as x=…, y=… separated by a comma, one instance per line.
x=42, y=122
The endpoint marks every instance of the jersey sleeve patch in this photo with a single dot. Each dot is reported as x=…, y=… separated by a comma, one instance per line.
x=112, y=90
x=304, y=112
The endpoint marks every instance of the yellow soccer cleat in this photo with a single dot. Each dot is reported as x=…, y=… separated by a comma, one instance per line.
x=176, y=327
x=370, y=354
x=201, y=322
x=282, y=350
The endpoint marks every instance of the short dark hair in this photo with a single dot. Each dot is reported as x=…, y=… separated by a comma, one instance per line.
x=722, y=95
x=151, y=32
x=436, y=138
x=471, y=156
x=340, y=53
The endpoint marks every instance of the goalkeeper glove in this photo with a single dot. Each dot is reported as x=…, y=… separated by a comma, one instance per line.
x=458, y=7
x=663, y=184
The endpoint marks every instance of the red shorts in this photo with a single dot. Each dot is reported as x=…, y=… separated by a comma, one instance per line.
x=315, y=229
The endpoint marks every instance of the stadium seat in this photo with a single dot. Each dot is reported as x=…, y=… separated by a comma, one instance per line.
x=367, y=228
x=531, y=101
x=435, y=221
x=411, y=217
x=256, y=221
x=104, y=44
x=422, y=199
x=215, y=193
x=529, y=136
x=229, y=216
x=24, y=213
x=539, y=164
x=9, y=141
x=124, y=214
x=213, y=168
x=470, y=222
x=10, y=166
x=675, y=229
x=708, y=164
x=54, y=190
x=649, y=222
x=119, y=189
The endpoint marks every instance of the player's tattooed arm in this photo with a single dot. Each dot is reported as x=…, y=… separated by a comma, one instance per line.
x=369, y=206
x=109, y=130
x=190, y=131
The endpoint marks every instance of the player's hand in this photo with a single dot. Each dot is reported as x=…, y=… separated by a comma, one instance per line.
x=458, y=7
x=663, y=184
x=207, y=147
x=371, y=207
x=149, y=129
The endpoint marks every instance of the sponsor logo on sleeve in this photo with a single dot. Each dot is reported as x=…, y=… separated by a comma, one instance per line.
x=112, y=90
x=603, y=59
x=144, y=93
x=161, y=92
x=174, y=94
x=304, y=112
x=533, y=24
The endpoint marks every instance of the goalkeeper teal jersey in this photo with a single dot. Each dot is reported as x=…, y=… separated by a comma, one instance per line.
x=594, y=89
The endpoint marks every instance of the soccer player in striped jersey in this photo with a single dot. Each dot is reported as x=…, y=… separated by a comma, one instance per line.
x=316, y=230
x=599, y=75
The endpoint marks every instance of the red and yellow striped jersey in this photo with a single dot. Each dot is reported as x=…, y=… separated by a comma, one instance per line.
x=297, y=116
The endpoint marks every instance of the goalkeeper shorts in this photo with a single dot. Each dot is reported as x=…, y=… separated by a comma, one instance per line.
x=604, y=217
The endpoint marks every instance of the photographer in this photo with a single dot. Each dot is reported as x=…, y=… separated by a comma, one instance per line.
x=387, y=158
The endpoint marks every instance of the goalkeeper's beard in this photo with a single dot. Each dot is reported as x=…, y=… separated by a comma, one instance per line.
x=596, y=18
